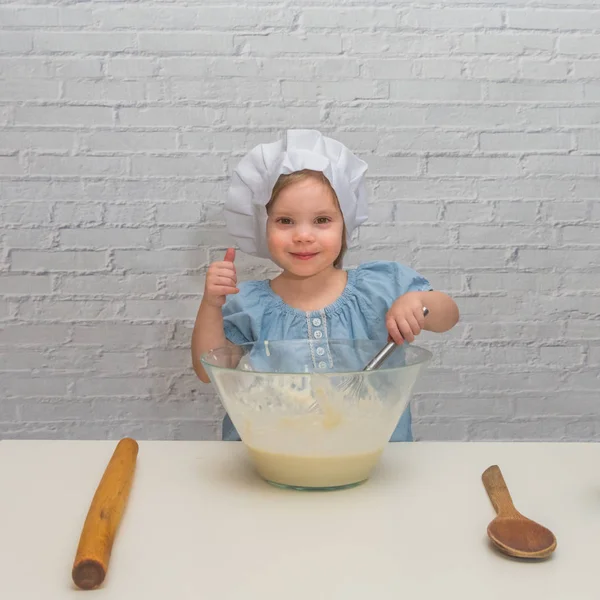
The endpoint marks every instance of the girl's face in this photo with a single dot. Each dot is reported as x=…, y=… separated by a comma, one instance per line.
x=305, y=228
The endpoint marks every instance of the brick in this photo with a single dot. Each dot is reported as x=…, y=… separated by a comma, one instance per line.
x=104, y=237
x=582, y=281
x=454, y=18
x=29, y=67
x=342, y=90
x=561, y=356
x=516, y=212
x=504, y=235
x=430, y=429
x=558, y=165
x=54, y=141
x=186, y=166
x=107, y=285
x=405, y=233
x=183, y=41
x=534, y=92
x=105, y=92
x=275, y=44
x=273, y=116
x=120, y=335
x=25, y=285
x=584, y=380
x=45, y=16
x=119, y=386
x=77, y=213
x=588, y=140
x=492, y=68
x=10, y=165
x=459, y=407
x=25, y=89
x=128, y=214
x=160, y=261
x=55, y=116
x=27, y=387
x=175, y=359
x=392, y=165
x=21, y=360
x=460, y=166
x=25, y=334
x=23, y=260
x=581, y=329
x=78, y=41
x=426, y=189
x=25, y=213
x=584, y=69
x=67, y=311
x=237, y=90
x=28, y=238
x=435, y=68
x=131, y=67
x=399, y=45
x=554, y=258
x=161, y=309
x=120, y=362
x=467, y=212
x=64, y=67
x=378, y=116
x=560, y=212
x=426, y=141
x=550, y=19
x=348, y=18
x=555, y=405
x=580, y=234
x=478, y=116
x=537, y=69
x=15, y=42
x=522, y=142
x=181, y=212
x=530, y=331
x=83, y=166
x=335, y=69
x=185, y=284
x=458, y=258
x=538, y=429
x=126, y=142
x=167, y=116
x=508, y=43
x=578, y=44
x=493, y=281
x=435, y=91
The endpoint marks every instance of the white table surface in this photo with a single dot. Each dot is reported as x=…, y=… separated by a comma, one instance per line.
x=200, y=524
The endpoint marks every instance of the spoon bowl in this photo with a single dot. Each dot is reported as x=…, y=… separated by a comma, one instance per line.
x=511, y=532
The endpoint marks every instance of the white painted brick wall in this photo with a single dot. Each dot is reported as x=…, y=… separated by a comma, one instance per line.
x=119, y=125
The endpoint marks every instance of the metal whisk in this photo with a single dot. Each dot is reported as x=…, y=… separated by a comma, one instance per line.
x=353, y=385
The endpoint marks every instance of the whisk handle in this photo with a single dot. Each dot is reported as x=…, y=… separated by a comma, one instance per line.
x=384, y=353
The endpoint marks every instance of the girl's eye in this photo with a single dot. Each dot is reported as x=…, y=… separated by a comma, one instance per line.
x=322, y=220
x=284, y=221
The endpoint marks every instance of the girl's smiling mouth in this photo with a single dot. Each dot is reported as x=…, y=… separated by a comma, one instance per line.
x=303, y=255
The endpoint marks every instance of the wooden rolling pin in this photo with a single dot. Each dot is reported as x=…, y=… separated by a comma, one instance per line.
x=104, y=516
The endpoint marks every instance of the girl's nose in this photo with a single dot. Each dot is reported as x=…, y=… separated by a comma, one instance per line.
x=303, y=233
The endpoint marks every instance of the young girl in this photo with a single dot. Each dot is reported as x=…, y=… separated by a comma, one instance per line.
x=297, y=202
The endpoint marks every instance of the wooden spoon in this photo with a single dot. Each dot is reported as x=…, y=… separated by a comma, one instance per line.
x=510, y=531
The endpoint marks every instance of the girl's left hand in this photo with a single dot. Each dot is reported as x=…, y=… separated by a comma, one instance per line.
x=405, y=319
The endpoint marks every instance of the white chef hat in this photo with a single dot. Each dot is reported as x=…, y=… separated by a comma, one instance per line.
x=255, y=176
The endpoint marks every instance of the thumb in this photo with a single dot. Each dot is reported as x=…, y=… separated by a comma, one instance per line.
x=230, y=255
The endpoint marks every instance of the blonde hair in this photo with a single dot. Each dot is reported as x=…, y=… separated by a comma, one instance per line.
x=285, y=181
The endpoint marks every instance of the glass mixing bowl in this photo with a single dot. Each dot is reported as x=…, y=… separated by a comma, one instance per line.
x=314, y=427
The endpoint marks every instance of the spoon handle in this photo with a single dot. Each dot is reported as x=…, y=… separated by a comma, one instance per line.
x=496, y=488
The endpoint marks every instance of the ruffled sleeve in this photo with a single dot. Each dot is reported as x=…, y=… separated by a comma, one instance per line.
x=380, y=283
x=242, y=312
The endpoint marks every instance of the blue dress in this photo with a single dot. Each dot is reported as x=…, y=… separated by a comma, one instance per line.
x=257, y=314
